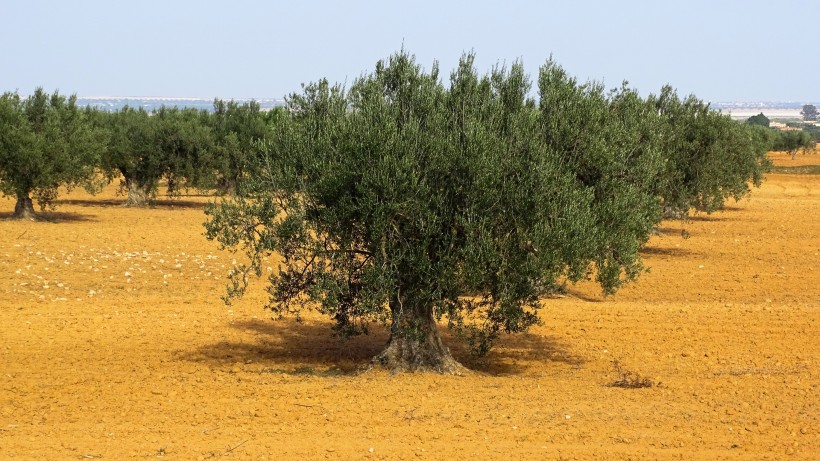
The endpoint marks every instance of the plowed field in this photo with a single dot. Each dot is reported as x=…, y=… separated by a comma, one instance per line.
x=114, y=344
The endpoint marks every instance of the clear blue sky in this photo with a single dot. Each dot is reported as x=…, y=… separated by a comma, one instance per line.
x=720, y=50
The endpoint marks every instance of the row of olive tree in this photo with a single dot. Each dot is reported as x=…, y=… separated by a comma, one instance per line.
x=186, y=148
x=404, y=200
x=709, y=157
x=46, y=142
x=803, y=137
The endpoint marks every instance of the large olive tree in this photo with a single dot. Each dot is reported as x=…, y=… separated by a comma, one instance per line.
x=406, y=201
x=46, y=142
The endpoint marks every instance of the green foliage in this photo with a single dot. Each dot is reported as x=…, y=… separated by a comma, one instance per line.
x=813, y=130
x=236, y=128
x=758, y=119
x=792, y=141
x=709, y=157
x=133, y=150
x=402, y=198
x=46, y=142
x=185, y=142
x=609, y=143
x=803, y=169
x=171, y=144
x=809, y=112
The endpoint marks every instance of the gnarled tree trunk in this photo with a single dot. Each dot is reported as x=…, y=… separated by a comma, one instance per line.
x=24, y=208
x=414, y=343
x=137, y=193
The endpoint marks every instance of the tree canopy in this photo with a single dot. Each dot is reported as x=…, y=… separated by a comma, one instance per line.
x=809, y=112
x=792, y=141
x=46, y=142
x=236, y=129
x=404, y=201
x=171, y=144
x=759, y=119
x=709, y=157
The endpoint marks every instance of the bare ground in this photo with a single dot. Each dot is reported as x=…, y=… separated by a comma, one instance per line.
x=114, y=344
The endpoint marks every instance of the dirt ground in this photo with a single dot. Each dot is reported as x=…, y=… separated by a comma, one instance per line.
x=114, y=344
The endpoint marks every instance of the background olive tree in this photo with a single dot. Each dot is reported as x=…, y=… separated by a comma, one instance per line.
x=236, y=129
x=170, y=144
x=46, y=142
x=404, y=201
x=759, y=119
x=809, y=112
x=793, y=141
x=709, y=157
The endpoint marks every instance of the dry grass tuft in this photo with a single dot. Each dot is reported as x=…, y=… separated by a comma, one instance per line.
x=628, y=379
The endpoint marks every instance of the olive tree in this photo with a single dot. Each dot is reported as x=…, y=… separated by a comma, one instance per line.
x=809, y=112
x=405, y=201
x=759, y=119
x=792, y=141
x=236, y=129
x=46, y=142
x=170, y=144
x=709, y=157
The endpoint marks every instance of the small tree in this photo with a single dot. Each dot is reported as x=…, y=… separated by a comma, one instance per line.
x=809, y=113
x=792, y=141
x=758, y=119
x=46, y=142
x=404, y=201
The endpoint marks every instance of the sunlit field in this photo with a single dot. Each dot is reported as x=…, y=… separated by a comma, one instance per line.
x=115, y=344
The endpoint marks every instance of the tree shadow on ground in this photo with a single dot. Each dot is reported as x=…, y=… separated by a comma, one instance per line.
x=703, y=217
x=577, y=294
x=160, y=203
x=176, y=203
x=512, y=353
x=289, y=347
x=731, y=209
x=666, y=251
x=663, y=232
x=89, y=202
x=53, y=217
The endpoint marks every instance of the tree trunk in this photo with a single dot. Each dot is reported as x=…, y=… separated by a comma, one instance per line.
x=414, y=343
x=673, y=213
x=24, y=208
x=137, y=194
x=226, y=186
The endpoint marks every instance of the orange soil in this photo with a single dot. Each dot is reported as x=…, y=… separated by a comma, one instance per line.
x=114, y=344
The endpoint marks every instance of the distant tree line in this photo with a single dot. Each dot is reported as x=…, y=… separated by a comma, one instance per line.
x=800, y=136
x=46, y=142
